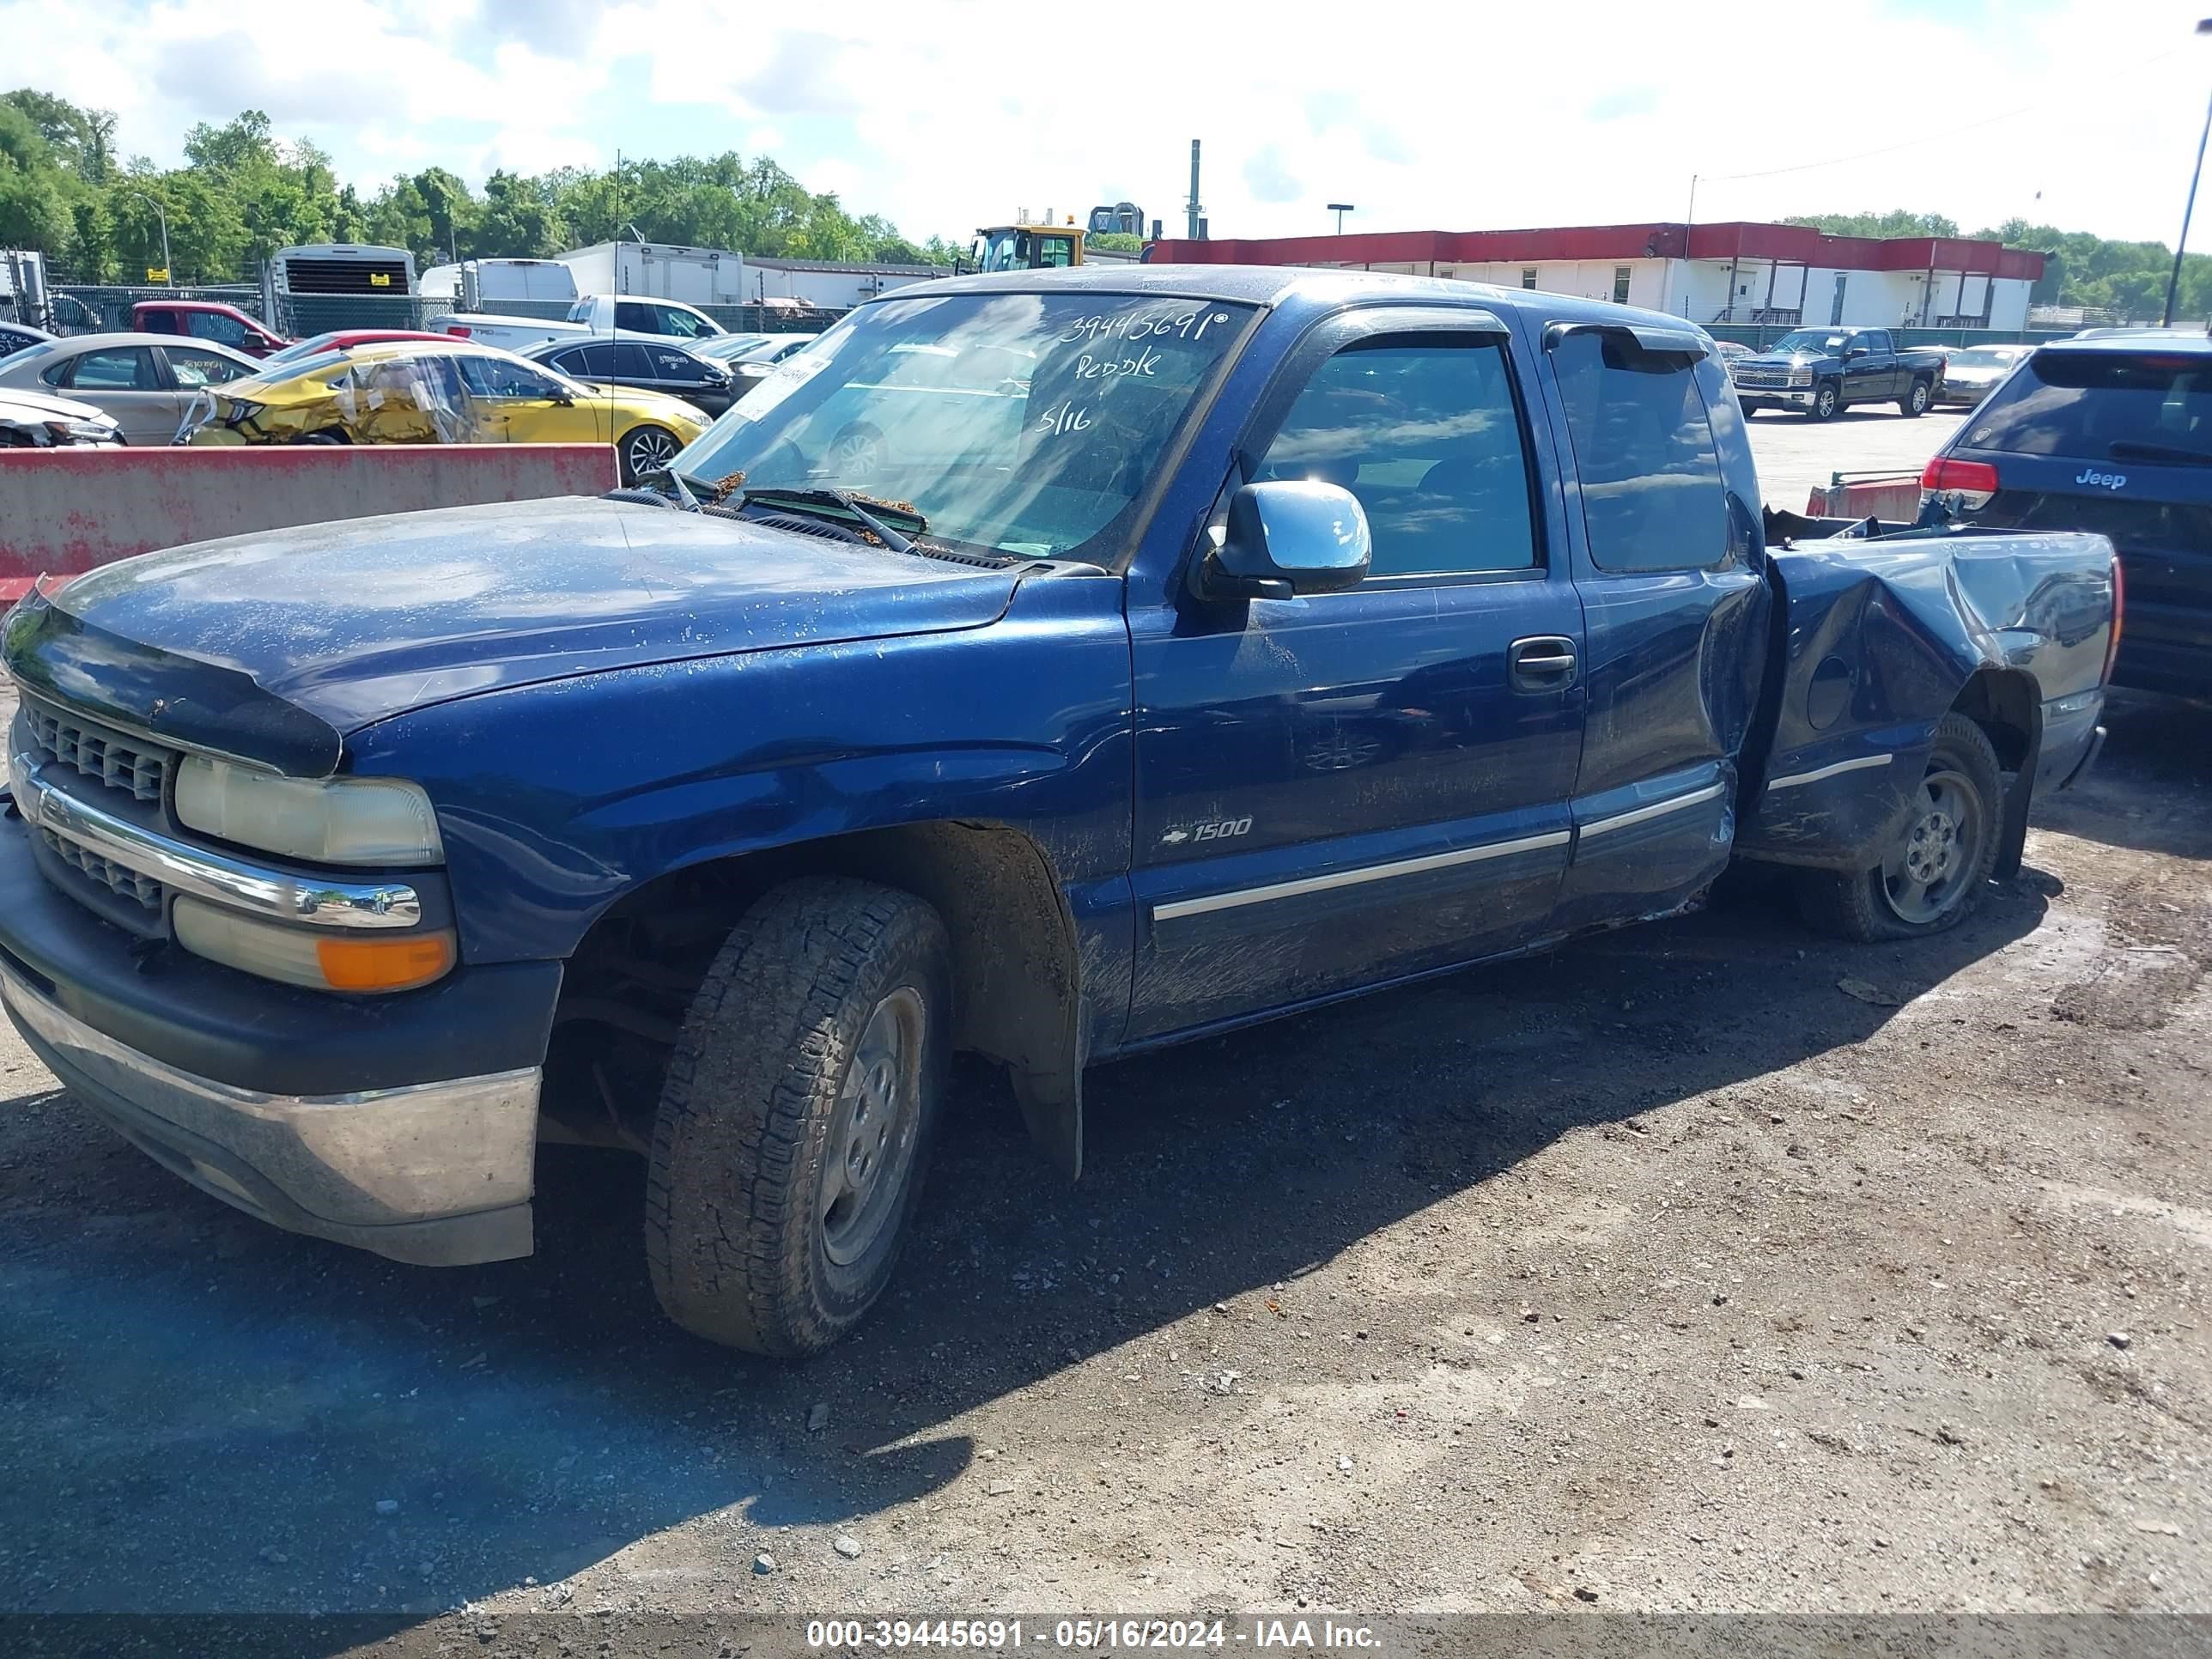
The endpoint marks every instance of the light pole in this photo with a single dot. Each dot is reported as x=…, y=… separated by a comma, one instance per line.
x=1340, y=209
x=2174, y=282
x=168, y=276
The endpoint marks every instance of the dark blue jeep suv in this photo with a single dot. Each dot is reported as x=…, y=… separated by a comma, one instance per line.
x=2110, y=434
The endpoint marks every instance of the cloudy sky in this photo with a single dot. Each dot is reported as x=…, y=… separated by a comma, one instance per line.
x=943, y=114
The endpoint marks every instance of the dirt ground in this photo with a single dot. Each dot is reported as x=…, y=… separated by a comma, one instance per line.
x=1705, y=1266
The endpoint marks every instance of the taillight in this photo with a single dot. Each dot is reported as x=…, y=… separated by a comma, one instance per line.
x=1969, y=483
x=2119, y=615
x=457, y=331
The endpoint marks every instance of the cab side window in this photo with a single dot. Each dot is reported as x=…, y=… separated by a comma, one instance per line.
x=214, y=325
x=1651, y=488
x=495, y=377
x=1426, y=432
x=636, y=314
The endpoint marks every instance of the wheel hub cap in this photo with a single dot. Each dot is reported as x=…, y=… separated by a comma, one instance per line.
x=1933, y=868
x=871, y=1133
x=1932, y=847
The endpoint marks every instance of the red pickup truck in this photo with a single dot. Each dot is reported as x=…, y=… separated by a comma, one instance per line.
x=206, y=319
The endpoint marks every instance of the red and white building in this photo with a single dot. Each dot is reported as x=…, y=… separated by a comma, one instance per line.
x=1717, y=273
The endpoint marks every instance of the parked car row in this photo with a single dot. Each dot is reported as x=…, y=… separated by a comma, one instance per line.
x=1820, y=372
x=415, y=391
x=144, y=381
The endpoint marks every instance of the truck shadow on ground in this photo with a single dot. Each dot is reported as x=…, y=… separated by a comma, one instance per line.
x=198, y=1412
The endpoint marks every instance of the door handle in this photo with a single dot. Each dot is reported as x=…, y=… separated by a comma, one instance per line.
x=1544, y=662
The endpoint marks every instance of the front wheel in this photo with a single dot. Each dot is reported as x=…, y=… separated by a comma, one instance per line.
x=1936, y=870
x=1827, y=401
x=796, y=1117
x=1916, y=401
x=646, y=449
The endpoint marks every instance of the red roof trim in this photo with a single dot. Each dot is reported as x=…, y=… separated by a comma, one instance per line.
x=1790, y=244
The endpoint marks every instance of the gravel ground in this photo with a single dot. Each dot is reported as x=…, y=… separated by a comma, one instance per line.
x=1704, y=1266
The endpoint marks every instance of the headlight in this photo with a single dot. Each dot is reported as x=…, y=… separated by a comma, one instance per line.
x=321, y=820
x=1800, y=377
x=82, y=432
x=320, y=960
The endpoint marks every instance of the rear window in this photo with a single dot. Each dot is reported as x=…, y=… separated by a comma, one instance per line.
x=1652, y=495
x=2082, y=404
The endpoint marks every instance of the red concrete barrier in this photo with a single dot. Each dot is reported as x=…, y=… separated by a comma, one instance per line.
x=1897, y=499
x=63, y=510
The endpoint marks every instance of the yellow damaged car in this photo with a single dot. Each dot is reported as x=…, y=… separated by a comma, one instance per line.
x=421, y=391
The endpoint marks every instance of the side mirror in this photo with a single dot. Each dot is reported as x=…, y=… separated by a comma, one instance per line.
x=1288, y=537
x=1855, y=351
x=564, y=400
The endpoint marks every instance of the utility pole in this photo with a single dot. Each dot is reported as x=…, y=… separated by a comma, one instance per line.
x=1340, y=209
x=1192, y=208
x=2188, y=211
x=168, y=273
x=1690, y=219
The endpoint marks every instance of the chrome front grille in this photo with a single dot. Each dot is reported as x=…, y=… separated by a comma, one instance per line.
x=106, y=872
x=140, y=769
x=1749, y=376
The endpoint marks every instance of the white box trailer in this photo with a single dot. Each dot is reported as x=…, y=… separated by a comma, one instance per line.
x=831, y=285
x=661, y=271
x=484, y=284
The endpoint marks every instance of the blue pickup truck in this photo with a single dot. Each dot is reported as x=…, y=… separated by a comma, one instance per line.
x=1053, y=666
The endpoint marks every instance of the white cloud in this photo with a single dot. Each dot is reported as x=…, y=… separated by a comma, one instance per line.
x=944, y=115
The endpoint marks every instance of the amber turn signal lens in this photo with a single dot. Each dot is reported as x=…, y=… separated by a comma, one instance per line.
x=384, y=964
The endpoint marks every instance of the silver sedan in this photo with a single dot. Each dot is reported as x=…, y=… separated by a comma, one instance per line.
x=143, y=381
x=1972, y=373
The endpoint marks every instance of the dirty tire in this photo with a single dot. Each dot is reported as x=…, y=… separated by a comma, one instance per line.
x=1916, y=401
x=736, y=1236
x=1859, y=905
x=1827, y=402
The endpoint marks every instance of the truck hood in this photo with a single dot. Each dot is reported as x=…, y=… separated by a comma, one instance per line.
x=1785, y=359
x=356, y=621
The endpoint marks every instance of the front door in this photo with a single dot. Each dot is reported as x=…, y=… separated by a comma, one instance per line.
x=124, y=381
x=1871, y=376
x=1346, y=788
x=517, y=403
x=1674, y=607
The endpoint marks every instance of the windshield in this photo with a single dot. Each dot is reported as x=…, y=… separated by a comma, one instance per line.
x=1809, y=339
x=725, y=347
x=1985, y=357
x=2083, y=403
x=1029, y=423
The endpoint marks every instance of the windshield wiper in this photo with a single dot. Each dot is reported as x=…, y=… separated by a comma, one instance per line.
x=819, y=495
x=2128, y=449
x=677, y=481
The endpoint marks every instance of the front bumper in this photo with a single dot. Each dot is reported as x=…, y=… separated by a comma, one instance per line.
x=1764, y=396
x=404, y=1124
x=438, y=1174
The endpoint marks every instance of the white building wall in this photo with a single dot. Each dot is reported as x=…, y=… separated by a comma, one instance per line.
x=1872, y=299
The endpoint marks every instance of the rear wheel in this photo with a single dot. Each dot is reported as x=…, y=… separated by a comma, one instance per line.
x=795, y=1120
x=1916, y=401
x=1937, y=868
x=646, y=449
x=1827, y=401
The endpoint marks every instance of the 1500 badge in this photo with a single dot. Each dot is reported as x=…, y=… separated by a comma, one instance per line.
x=1220, y=829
